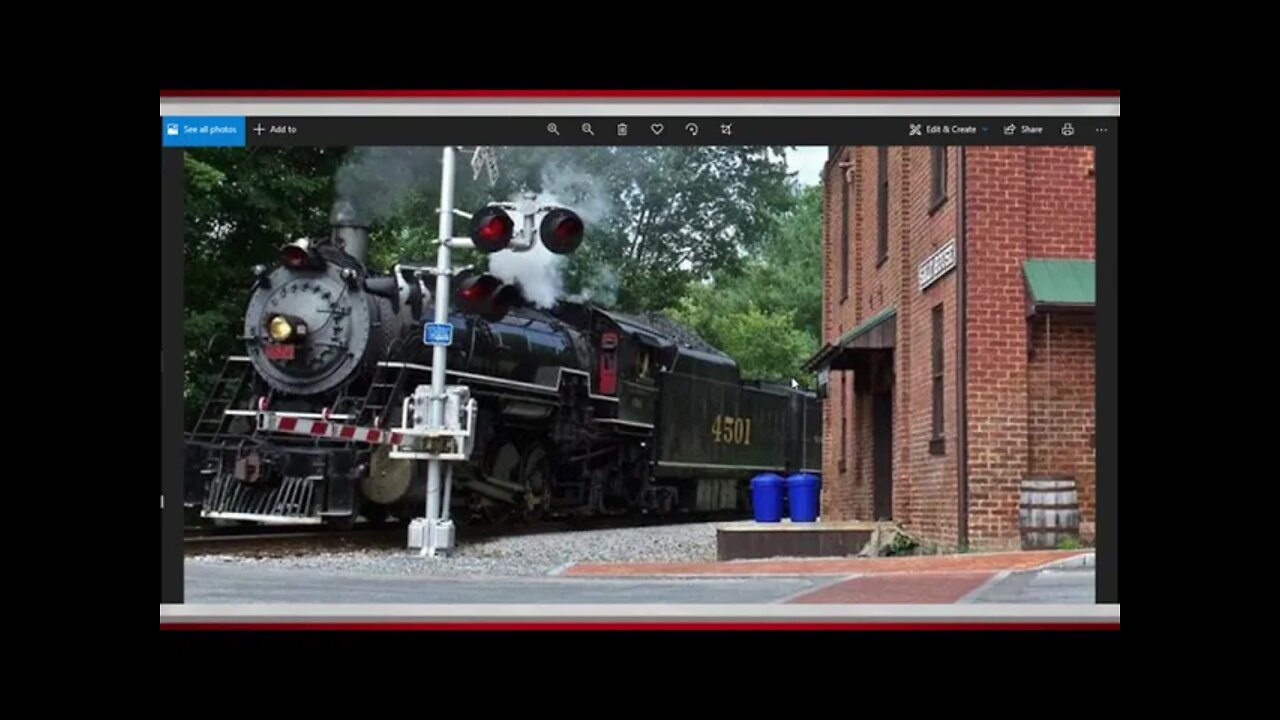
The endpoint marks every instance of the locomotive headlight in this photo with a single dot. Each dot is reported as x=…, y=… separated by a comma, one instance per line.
x=279, y=329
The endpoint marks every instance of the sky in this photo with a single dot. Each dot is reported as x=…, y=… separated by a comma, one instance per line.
x=807, y=163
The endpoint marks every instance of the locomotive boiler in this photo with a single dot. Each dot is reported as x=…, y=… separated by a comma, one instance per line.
x=581, y=410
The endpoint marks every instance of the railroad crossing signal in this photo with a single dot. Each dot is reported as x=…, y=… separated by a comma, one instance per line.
x=484, y=158
x=495, y=227
x=517, y=226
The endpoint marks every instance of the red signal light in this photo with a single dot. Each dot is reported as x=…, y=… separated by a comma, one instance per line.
x=486, y=296
x=492, y=229
x=561, y=231
x=478, y=288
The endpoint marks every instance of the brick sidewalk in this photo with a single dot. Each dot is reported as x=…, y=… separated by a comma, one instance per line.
x=988, y=563
x=932, y=579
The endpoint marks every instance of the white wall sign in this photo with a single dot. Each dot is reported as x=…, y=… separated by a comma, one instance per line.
x=938, y=264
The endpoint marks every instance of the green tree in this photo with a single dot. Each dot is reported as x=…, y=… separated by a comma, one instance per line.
x=768, y=316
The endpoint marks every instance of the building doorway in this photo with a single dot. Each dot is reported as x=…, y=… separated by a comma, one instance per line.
x=882, y=454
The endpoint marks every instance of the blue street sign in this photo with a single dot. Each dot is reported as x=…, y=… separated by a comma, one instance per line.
x=437, y=334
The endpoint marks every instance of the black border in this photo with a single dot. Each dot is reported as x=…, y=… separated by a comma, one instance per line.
x=1106, y=419
x=571, y=70
x=461, y=646
x=171, y=347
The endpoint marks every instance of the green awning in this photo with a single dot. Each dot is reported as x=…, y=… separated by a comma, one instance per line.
x=877, y=332
x=867, y=326
x=1060, y=284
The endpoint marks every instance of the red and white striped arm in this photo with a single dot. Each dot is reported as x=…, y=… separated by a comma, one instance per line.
x=325, y=428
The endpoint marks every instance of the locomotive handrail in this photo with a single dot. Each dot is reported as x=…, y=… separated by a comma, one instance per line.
x=305, y=415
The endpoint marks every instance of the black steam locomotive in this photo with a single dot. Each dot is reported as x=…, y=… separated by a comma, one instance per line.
x=581, y=410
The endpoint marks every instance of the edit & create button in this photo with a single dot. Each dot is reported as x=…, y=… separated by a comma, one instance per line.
x=202, y=131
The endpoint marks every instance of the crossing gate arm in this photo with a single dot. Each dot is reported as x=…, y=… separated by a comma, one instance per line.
x=413, y=440
x=295, y=425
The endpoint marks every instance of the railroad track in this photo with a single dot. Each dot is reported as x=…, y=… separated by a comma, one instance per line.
x=290, y=540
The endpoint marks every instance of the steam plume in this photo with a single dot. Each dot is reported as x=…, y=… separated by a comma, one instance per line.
x=538, y=271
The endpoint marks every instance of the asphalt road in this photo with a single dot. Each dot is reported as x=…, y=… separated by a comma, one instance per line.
x=1052, y=586
x=221, y=583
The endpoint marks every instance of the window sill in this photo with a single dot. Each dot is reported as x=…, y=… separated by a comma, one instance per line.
x=938, y=446
x=937, y=205
x=880, y=262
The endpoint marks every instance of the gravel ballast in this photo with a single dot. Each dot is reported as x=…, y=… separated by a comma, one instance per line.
x=523, y=555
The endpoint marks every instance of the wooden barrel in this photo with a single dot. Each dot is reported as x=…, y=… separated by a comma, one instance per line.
x=1049, y=512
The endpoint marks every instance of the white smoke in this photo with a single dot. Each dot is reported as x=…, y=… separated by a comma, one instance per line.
x=538, y=271
x=574, y=188
x=601, y=288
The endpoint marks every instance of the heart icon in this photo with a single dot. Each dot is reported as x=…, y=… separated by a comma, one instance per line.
x=656, y=128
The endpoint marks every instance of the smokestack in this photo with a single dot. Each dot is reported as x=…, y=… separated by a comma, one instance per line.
x=350, y=232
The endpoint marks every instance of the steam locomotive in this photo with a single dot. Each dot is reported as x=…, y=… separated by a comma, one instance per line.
x=581, y=410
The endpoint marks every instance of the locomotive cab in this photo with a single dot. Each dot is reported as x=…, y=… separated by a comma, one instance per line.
x=630, y=355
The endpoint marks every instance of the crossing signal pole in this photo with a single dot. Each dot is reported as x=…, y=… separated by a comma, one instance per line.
x=448, y=429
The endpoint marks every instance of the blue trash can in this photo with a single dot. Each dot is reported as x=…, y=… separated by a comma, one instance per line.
x=802, y=491
x=766, y=497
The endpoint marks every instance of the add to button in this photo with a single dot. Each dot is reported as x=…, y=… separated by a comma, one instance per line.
x=188, y=131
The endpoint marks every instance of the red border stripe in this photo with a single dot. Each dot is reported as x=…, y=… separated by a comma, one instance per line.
x=640, y=626
x=614, y=93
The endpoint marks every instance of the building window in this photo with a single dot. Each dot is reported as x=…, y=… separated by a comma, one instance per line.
x=882, y=206
x=939, y=165
x=937, y=445
x=844, y=242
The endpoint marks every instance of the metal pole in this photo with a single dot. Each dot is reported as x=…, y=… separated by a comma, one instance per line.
x=439, y=352
x=448, y=492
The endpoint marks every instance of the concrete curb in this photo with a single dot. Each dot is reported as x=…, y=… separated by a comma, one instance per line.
x=830, y=582
x=557, y=572
x=1084, y=560
x=978, y=592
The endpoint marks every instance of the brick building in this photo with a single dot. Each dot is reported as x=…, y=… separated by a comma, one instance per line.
x=958, y=355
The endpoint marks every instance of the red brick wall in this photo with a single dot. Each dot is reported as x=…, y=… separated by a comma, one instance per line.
x=1061, y=397
x=830, y=296
x=838, y=487
x=856, y=309
x=846, y=492
x=1061, y=208
x=1021, y=203
x=924, y=485
x=928, y=489
x=996, y=200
